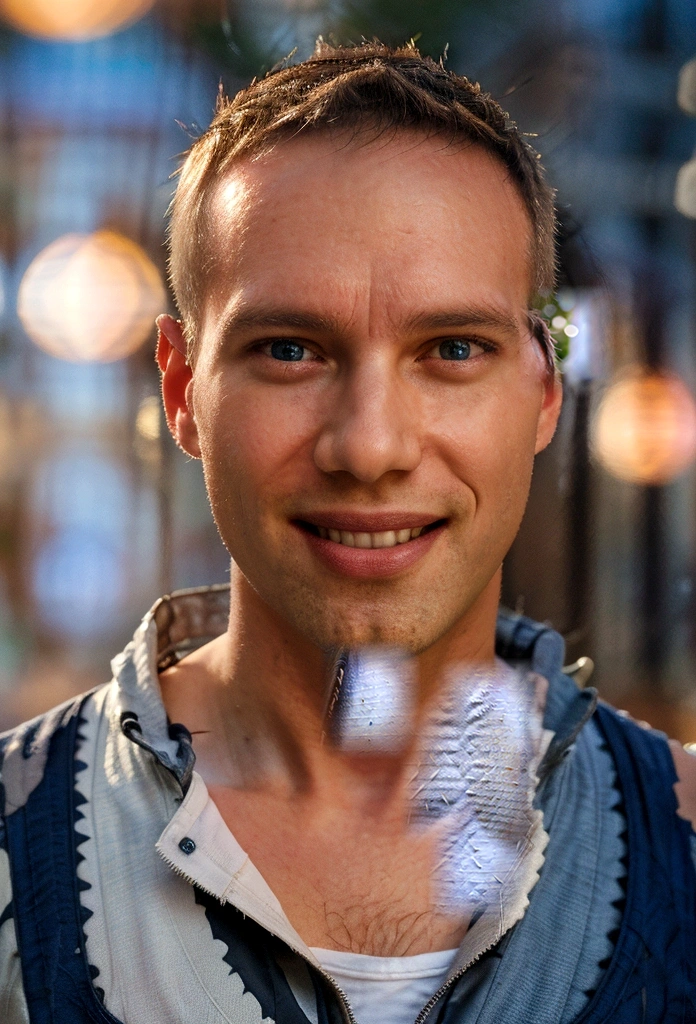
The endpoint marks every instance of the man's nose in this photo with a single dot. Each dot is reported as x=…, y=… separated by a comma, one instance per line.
x=373, y=426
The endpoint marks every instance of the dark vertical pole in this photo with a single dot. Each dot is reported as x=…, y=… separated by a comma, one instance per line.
x=164, y=502
x=654, y=646
x=651, y=308
x=653, y=596
x=653, y=599
x=580, y=518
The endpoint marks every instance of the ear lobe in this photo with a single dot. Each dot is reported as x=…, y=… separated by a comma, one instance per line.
x=177, y=384
x=549, y=412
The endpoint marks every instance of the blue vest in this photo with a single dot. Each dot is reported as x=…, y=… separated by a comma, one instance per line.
x=649, y=979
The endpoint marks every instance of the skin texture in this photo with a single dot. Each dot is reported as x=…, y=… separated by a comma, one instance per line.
x=369, y=257
x=371, y=421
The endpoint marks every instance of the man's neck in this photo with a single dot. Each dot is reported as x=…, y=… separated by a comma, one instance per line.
x=365, y=851
x=256, y=699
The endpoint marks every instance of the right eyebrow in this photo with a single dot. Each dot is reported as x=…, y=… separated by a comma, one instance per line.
x=278, y=317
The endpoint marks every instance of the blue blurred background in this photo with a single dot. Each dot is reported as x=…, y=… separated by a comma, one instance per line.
x=100, y=515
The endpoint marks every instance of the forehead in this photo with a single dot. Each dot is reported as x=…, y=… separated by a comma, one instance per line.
x=395, y=220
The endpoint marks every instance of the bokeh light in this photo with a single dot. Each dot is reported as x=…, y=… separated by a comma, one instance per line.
x=645, y=428
x=148, y=428
x=72, y=19
x=81, y=531
x=685, y=189
x=90, y=297
x=147, y=421
x=686, y=92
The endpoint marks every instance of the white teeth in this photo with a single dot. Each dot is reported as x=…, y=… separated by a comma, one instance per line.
x=384, y=539
x=387, y=539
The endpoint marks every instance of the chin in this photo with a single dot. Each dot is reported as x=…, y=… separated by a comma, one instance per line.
x=411, y=615
x=352, y=631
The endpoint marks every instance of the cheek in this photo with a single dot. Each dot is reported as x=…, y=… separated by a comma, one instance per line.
x=254, y=440
x=489, y=444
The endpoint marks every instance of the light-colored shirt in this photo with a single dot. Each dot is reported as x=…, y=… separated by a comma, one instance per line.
x=387, y=989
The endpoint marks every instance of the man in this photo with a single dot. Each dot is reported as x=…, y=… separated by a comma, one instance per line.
x=400, y=807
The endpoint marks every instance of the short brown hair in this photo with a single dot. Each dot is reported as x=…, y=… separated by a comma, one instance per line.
x=371, y=87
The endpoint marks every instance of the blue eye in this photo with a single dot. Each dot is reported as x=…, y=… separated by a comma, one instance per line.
x=288, y=351
x=455, y=348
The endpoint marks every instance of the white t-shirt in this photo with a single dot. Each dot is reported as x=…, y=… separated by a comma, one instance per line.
x=387, y=989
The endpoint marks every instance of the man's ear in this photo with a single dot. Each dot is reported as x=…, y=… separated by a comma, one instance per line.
x=177, y=384
x=550, y=410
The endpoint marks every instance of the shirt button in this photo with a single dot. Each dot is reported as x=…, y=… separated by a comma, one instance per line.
x=187, y=845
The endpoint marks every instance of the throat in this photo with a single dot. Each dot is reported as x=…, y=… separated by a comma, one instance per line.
x=407, y=873
x=346, y=880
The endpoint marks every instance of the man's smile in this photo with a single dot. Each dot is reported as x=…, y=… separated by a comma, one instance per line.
x=351, y=544
x=383, y=539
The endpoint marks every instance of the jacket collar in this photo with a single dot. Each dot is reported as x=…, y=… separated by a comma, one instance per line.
x=185, y=620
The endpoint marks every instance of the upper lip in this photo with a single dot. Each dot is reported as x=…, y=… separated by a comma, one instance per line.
x=368, y=522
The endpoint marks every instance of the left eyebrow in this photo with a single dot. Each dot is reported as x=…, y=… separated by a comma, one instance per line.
x=482, y=317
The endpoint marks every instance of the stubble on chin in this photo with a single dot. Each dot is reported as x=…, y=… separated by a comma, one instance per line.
x=392, y=613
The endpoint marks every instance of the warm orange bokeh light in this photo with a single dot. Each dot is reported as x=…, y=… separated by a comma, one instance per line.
x=90, y=297
x=645, y=428
x=72, y=19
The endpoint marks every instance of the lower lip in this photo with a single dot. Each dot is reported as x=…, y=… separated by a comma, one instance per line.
x=371, y=563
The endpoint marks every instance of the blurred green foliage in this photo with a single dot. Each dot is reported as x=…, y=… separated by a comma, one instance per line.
x=432, y=23
x=245, y=45
x=557, y=310
x=235, y=47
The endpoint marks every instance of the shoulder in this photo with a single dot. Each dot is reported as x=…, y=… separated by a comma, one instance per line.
x=643, y=739
x=24, y=751
x=11, y=988
x=685, y=766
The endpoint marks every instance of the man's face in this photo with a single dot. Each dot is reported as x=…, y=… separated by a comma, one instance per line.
x=364, y=374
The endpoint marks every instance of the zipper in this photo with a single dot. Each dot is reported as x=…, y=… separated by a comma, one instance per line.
x=450, y=981
x=343, y=998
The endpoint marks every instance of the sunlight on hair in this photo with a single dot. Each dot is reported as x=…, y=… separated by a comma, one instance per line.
x=90, y=297
x=72, y=19
x=645, y=428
